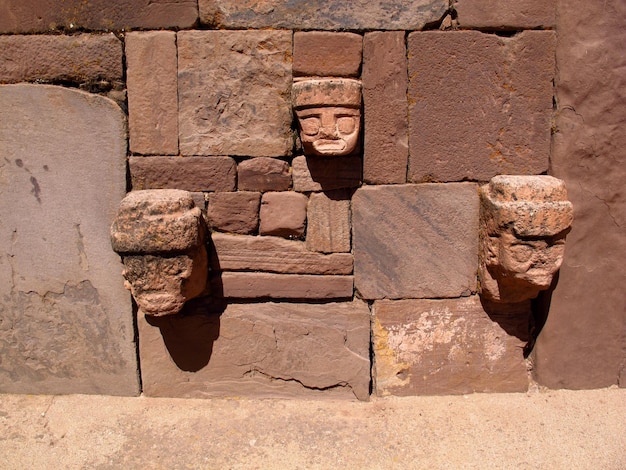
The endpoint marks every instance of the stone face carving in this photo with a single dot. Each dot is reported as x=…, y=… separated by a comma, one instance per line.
x=329, y=114
x=160, y=235
x=524, y=221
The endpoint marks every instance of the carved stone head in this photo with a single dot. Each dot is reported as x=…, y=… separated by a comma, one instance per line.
x=329, y=115
x=160, y=235
x=524, y=221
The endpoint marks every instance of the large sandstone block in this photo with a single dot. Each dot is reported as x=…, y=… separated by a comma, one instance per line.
x=507, y=14
x=259, y=350
x=234, y=93
x=325, y=174
x=479, y=104
x=327, y=54
x=322, y=14
x=235, y=212
x=415, y=241
x=263, y=174
x=283, y=214
x=80, y=58
x=384, y=97
x=443, y=347
x=328, y=222
x=22, y=16
x=65, y=316
x=152, y=81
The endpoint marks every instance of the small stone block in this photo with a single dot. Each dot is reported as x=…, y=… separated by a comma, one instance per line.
x=328, y=222
x=235, y=212
x=283, y=214
x=325, y=174
x=263, y=174
x=327, y=54
x=506, y=14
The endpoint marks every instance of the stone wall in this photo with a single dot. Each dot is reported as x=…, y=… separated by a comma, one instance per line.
x=329, y=276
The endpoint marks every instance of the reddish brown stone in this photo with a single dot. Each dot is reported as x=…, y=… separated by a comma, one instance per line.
x=506, y=14
x=328, y=222
x=415, y=241
x=263, y=174
x=384, y=96
x=80, y=58
x=283, y=286
x=283, y=214
x=235, y=212
x=151, y=79
x=258, y=350
x=327, y=54
x=443, y=347
x=325, y=174
x=274, y=254
x=479, y=104
x=188, y=173
x=21, y=16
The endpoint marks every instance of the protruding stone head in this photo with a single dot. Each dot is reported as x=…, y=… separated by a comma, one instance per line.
x=524, y=221
x=329, y=114
x=160, y=235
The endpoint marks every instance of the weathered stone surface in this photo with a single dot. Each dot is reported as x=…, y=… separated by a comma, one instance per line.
x=65, y=316
x=21, y=16
x=443, y=347
x=274, y=254
x=384, y=97
x=328, y=222
x=80, y=58
x=242, y=285
x=283, y=214
x=322, y=14
x=479, y=104
x=326, y=54
x=507, y=14
x=263, y=174
x=152, y=81
x=583, y=342
x=259, y=350
x=415, y=241
x=325, y=174
x=236, y=212
x=187, y=173
x=234, y=93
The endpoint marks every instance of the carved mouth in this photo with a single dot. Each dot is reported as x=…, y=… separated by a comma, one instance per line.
x=327, y=145
x=159, y=304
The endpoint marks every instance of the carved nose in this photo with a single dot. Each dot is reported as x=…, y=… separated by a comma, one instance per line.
x=328, y=132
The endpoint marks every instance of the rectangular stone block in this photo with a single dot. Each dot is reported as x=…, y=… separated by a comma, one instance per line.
x=188, y=173
x=274, y=254
x=283, y=214
x=328, y=222
x=283, y=286
x=259, y=350
x=235, y=212
x=479, y=104
x=415, y=241
x=23, y=16
x=322, y=14
x=81, y=58
x=325, y=174
x=443, y=347
x=263, y=174
x=327, y=54
x=385, y=82
x=506, y=14
x=152, y=81
x=234, y=93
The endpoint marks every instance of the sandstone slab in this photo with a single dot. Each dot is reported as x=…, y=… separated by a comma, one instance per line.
x=507, y=14
x=325, y=174
x=66, y=318
x=385, y=82
x=263, y=174
x=235, y=212
x=274, y=254
x=259, y=350
x=81, y=58
x=322, y=14
x=327, y=54
x=188, y=173
x=328, y=222
x=443, y=347
x=479, y=104
x=152, y=81
x=415, y=241
x=23, y=16
x=283, y=214
x=234, y=93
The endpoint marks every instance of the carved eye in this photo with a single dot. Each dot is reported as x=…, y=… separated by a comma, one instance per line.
x=521, y=252
x=310, y=125
x=346, y=124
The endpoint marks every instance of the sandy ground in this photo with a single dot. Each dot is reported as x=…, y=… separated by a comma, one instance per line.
x=537, y=430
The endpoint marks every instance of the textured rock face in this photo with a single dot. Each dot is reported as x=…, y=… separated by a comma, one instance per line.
x=507, y=14
x=326, y=54
x=494, y=107
x=328, y=222
x=236, y=212
x=319, y=173
x=283, y=214
x=234, y=93
x=583, y=342
x=322, y=14
x=66, y=318
x=259, y=350
x=263, y=174
x=441, y=347
x=415, y=241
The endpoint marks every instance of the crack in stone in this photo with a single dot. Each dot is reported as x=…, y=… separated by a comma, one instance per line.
x=253, y=372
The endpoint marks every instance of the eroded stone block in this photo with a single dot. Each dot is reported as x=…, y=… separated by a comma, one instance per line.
x=235, y=212
x=283, y=214
x=325, y=173
x=328, y=222
x=507, y=14
x=263, y=174
x=327, y=54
